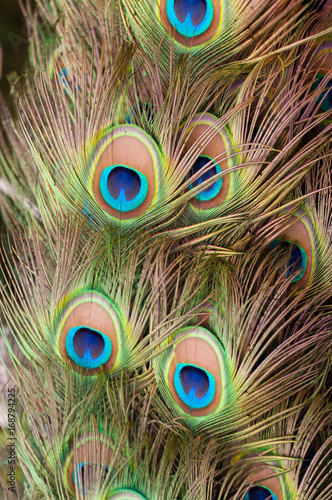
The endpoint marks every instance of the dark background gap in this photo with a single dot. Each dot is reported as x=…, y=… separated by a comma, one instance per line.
x=13, y=41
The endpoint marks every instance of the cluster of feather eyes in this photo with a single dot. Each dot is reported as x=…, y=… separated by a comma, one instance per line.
x=166, y=258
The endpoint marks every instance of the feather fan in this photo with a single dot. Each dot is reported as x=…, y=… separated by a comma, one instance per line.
x=165, y=262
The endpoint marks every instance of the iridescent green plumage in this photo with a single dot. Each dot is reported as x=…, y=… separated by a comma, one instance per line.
x=165, y=186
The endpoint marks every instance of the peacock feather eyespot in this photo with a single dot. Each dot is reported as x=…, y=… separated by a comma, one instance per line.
x=267, y=484
x=297, y=235
x=260, y=493
x=90, y=332
x=297, y=262
x=203, y=132
x=323, y=66
x=126, y=172
x=123, y=188
x=88, y=464
x=191, y=22
x=125, y=494
x=195, y=386
x=87, y=347
x=193, y=373
x=190, y=17
x=212, y=191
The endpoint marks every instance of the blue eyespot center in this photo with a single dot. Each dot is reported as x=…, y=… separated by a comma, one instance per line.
x=214, y=189
x=190, y=17
x=297, y=262
x=88, y=348
x=326, y=103
x=86, y=472
x=260, y=493
x=192, y=377
x=88, y=340
x=195, y=8
x=195, y=386
x=123, y=188
x=121, y=178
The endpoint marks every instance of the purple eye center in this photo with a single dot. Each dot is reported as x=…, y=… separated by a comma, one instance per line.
x=191, y=376
x=197, y=9
x=123, y=178
x=86, y=339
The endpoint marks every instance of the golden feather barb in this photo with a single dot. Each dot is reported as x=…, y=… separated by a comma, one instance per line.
x=165, y=197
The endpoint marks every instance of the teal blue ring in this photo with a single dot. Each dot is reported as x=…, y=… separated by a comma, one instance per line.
x=211, y=193
x=121, y=203
x=273, y=496
x=190, y=399
x=87, y=362
x=186, y=28
x=304, y=259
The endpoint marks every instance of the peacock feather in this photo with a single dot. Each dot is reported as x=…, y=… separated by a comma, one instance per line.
x=165, y=261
